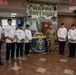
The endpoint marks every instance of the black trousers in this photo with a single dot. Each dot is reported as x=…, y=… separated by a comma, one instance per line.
x=27, y=48
x=61, y=47
x=0, y=51
x=72, y=47
x=10, y=47
x=19, y=49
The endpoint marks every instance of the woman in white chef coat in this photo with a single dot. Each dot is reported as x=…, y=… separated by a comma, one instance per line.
x=62, y=33
x=20, y=36
x=9, y=32
x=72, y=41
x=0, y=44
x=28, y=39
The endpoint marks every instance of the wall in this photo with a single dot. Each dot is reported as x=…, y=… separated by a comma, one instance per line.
x=38, y=13
x=68, y=20
x=9, y=17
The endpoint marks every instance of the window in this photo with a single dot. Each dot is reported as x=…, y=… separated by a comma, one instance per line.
x=4, y=23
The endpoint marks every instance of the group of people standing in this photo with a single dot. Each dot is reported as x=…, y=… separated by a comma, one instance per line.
x=62, y=35
x=19, y=37
x=15, y=38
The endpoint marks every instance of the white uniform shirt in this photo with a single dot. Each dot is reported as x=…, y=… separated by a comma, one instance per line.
x=28, y=36
x=0, y=31
x=20, y=35
x=9, y=31
x=62, y=32
x=72, y=34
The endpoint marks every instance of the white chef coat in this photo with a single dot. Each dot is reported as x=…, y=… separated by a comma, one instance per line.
x=28, y=35
x=0, y=31
x=72, y=34
x=9, y=31
x=62, y=32
x=19, y=35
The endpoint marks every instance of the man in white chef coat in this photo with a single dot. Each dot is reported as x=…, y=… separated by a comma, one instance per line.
x=20, y=36
x=0, y=44
x=9, y=32
x=72, y=41
x=28, y=39
x=62, y=33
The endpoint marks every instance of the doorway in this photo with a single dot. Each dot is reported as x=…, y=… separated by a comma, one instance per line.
x=45, y=27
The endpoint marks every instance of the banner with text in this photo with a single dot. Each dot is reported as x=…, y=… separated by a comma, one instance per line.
x=37, y=13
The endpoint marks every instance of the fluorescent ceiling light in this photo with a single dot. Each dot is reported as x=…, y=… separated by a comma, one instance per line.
x=13, y=13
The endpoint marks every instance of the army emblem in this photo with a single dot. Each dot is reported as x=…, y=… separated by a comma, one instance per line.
x=40, y=43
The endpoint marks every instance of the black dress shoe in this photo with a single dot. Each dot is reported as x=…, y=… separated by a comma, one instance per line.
x=62, y=53
x=1, y=63
x=69, y=55
x=73, y=56
x=59, y=54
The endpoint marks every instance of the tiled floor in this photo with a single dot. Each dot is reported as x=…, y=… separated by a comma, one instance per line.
x=42, y=59
x=67, y=71
x=41, y=70
x=63, y=60
x=40, y=64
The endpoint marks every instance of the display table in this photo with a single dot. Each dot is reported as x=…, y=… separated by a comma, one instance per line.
x=38, y=44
